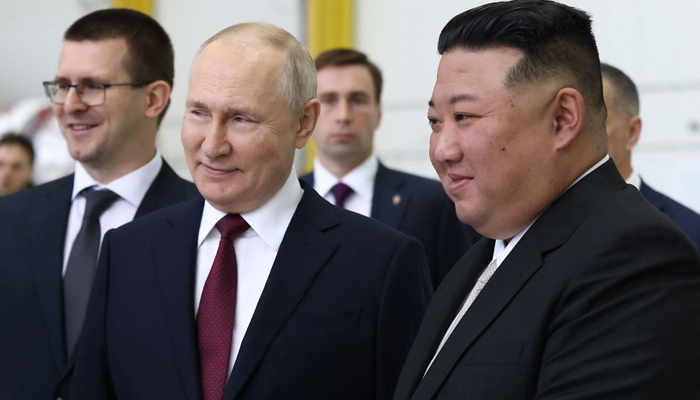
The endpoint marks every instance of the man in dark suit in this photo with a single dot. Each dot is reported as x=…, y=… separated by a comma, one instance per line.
x=261, y=290
x=349, y=88
x=624, y=127
x=110, y=132
x=582, y=289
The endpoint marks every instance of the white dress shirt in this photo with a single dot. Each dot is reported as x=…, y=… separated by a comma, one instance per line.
x=131, y=189
x=501, y=250
x=635, y=179
x=360, y=180
x=256, y=250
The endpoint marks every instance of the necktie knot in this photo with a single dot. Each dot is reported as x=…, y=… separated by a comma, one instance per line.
x=232, y=225
x=341, y=192
x=97, y=201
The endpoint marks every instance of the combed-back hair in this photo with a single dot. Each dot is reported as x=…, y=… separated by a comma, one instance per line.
x=343, y=57
x=624, y=96
x=298, y=84
x=14, y=139
x=556, y=40
x=150, y=56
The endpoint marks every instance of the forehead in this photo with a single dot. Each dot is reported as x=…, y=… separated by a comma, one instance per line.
x=87, y=59
x=228, y=72
x=14, y=152
x=345, y=78
x=473, y=73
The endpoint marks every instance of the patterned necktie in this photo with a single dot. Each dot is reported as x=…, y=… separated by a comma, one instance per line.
x=217, y=310
x=82, y=261
x=341, y=192
x=478, y=287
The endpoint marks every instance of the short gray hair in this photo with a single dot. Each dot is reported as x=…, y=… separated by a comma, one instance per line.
x=298, y=84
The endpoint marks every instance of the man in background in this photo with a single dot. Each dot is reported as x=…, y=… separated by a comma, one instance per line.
x=110, y=92
x=624, y=127
x=261, y=289
x=581, y=289
x=16, y=161
x=347, y=174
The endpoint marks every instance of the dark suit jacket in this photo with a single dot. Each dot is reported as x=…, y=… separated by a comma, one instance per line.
x=599, y=300
x=688, y=219
x=425, y=213
x=32, y=236
x=336, y=318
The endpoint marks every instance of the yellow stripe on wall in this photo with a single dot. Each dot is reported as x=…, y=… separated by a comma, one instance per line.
x=145, y=6
x=330, y=25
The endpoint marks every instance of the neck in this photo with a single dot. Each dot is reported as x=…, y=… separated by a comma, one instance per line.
x=340, y=169
x=108, y=172
x=625, y=171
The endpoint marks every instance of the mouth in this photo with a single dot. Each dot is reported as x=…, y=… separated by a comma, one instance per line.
x=80, y=128
x=458, y=181
x=218, y=171
x=343, y=136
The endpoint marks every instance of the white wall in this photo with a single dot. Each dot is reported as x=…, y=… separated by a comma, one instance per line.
x=655, y=42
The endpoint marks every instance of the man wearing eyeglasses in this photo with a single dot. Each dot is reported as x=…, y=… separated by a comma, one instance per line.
x=110, y=93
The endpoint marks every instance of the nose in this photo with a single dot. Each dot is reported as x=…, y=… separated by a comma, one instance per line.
x=73, y=103
x=444, y=145
x=216, y=142
x=343, y=112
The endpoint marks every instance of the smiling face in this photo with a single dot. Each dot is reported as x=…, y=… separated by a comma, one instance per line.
x=490, y=144
x=238, y=133
x=349, y=115
x=111, y=135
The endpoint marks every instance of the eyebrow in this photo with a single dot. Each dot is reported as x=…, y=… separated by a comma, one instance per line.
x=457, y=98
x=196, y=104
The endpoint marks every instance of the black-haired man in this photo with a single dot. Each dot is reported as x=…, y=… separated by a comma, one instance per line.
x=583, y=290
x=110, y=92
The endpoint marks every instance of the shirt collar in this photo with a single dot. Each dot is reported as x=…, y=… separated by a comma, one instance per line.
x=131, y=187
x=501, y=250
x=269, y=221
x=635, y=180
x=360, y=179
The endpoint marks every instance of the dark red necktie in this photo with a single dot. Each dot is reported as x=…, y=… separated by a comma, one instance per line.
x=341, y=192
x=217, y=309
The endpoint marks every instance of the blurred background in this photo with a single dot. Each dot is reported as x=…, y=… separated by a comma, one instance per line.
x=656, y=43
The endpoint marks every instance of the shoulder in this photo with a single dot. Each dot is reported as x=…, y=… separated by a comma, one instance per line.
x=167, y=177
x=27, y=198
x=688, y=219
x=423, y=188
x=342, y=224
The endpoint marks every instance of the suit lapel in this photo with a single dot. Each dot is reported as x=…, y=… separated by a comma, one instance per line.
x=515, y=271
x=442, y=309
x=163, y=192
x=389, y=202
x=175, y=254
x=303, y=253
x=551, y=230
x=49, y=222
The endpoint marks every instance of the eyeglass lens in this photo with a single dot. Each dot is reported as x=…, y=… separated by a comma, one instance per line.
x=89, y=93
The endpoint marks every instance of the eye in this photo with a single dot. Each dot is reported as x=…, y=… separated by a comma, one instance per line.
x=462, y=117
x=240, y=119
x=433, y=121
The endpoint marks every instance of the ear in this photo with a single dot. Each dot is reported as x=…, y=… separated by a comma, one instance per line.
x=568, y=116
x=158, y=95
x=634, y=128
x=307, y=118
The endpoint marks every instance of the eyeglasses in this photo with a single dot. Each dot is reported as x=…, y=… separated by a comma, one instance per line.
x=90, y=94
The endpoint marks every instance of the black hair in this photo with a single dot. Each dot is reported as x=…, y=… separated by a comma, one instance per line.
x=555, y=39
x=150, y=56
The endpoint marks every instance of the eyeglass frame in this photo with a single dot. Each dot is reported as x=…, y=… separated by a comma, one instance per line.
x=105, y=86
